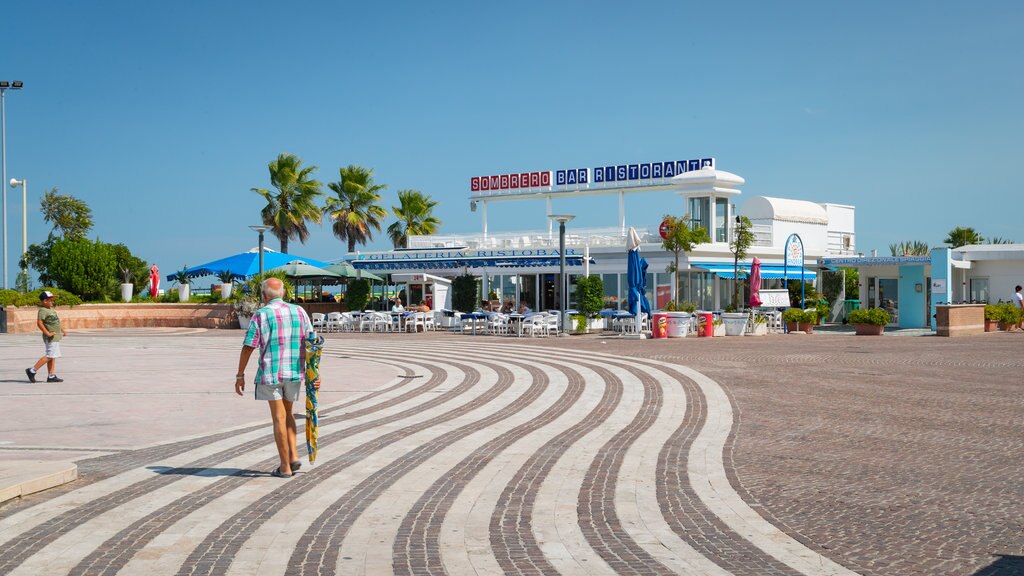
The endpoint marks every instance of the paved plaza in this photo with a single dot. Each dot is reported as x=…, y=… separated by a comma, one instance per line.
x=823, y=454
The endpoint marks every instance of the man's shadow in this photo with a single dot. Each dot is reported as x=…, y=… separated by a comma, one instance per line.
x=208, y=472
x=1006, y=565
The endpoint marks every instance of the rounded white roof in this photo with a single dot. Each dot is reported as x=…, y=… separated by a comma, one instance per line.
x=708, y=181
x=784, y=209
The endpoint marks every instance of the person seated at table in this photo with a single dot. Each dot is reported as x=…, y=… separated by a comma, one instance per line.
x=523, y=308
x=422, y=307
x=485, y=306
x=398, y=306
x=508, y=307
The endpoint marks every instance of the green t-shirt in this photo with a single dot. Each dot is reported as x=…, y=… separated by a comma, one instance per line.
x=52, y=323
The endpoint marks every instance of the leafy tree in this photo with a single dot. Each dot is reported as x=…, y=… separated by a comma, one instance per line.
x=910, y=248
x=82, y=267
x=415, y=217
x=22, y=283
x=590, y=294
x=294, y=203
x=355, y=212
x=742, y=240
x=681, y=236
x=37, y=257
x=130, y=268
x=357, y=294
x=464, y=293
x=71, y=217
x=960, y=236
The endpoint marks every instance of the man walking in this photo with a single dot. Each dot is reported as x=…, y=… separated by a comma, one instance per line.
x=1018, y=301
x=279, y=331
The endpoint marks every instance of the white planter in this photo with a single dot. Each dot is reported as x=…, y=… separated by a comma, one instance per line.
x=760, y=329
x=225, y=290
x=718, y=330
x=678, y=324
x=243, y=321
x=595, y=324
x=735, y=323
x=126, y=292
x=183, y=292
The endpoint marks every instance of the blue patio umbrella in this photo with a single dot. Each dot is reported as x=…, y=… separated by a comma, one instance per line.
x=246, y=264
x=636, y=276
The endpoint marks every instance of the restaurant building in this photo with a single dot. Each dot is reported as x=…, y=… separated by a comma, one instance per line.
x=523, y=265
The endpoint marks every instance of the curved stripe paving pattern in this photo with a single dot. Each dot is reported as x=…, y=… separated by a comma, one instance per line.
x=506, y=458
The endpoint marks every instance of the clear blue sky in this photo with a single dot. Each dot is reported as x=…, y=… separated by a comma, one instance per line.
x=163, y=115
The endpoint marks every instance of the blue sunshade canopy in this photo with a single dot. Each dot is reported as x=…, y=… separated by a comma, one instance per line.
x=245, y=265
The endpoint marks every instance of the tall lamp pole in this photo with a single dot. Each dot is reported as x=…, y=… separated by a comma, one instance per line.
x=561, y=219
x=4, y=87
x=24, y=218
x=261, y=229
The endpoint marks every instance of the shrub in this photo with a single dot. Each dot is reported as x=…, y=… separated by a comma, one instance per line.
x=464, y=293
x=10, y=298
x=1009, y=313
x=83, y=267
x=687, y=306
x=357, y=293
x=992, y=312
x=590, y=295
x=872, y=316
x=580, y=321
x=799, y=316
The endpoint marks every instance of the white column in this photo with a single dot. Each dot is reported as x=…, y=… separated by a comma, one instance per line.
x=483, y=215
x=586, y=260
x=550, y=221
x=622, y=213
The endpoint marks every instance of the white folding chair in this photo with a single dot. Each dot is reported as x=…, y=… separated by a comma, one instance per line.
x=430, y=320
x=497, y=323
x=318, y=320
x=414, y=321
x=332, y=321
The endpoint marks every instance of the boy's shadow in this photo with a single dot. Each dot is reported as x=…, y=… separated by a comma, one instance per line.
x=208, y=472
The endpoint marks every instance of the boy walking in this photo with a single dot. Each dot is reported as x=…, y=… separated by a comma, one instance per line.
x=49, y=323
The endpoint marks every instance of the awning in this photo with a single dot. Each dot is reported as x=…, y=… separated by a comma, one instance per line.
x=767, y=270
x=441, y=263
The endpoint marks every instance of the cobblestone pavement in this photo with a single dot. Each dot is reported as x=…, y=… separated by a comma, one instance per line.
x=789, y=455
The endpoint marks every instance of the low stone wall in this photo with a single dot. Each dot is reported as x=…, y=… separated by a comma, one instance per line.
x=22, y=319
x=959, y=319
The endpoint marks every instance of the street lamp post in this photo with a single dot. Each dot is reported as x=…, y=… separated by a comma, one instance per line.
x=561, y=219
x=24, y=218
x=261, y=229
x=4, y=87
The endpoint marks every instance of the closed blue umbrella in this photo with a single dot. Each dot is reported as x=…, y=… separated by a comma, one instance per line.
x=636, y=276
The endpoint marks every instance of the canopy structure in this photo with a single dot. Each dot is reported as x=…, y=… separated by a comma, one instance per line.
x=244, y=265
x=725, y=270
x=345, y=269
x=299, y=269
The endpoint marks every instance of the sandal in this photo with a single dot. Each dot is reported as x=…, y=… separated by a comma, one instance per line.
x=278, y=474
x=295, y=466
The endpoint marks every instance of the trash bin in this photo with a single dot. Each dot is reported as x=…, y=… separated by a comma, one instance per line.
x=705, y=324
x=659, y=325
x=848, y=306
x=3, y=319
x=678, y=324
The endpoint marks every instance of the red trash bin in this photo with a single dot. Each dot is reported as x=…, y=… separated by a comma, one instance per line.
x=706, y=325
x=659, y=325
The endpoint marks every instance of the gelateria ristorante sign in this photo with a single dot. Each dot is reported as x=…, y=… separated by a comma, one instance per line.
x=457, y=254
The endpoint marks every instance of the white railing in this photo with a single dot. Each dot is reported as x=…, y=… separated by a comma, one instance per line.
x=841, y=244
x=527, y=239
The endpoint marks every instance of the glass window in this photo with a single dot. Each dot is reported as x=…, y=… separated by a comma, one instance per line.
x=721, y=219
x=611, y=290
x=979, y=290
x=700, y=214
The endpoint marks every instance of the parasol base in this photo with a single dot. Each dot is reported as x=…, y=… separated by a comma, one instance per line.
x=635, y=337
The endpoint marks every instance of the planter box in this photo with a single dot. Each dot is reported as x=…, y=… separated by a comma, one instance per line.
x=243, y=321
x=126, y=292
x=807, y=327
x=792, y=327
x=735, y=323
x=718, y=330
x=868, y=329
x=225, y=290
x=183, y=292
x=991, y=325
x=759, y=329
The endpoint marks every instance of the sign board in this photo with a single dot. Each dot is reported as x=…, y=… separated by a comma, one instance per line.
x=794, y=251
x=774, y=298
x=938, y=286
x=663, y=229
x=582, y=177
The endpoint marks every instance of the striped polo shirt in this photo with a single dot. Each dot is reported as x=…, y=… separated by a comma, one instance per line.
x=278, y=331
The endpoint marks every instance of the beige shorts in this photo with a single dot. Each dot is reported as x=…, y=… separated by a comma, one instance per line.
x=52, y=349
x=285, y=391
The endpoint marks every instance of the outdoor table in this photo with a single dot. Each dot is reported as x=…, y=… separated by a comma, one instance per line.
x=517, y=319
x=474, y=316
x=399, y=319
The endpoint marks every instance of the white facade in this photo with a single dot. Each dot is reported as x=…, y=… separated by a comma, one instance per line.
x=987, y=272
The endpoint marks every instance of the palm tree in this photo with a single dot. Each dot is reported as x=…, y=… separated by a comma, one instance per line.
x=959, y=236
x=910, y=248
x=295, y=202
x=355, y=211
x=414, y=217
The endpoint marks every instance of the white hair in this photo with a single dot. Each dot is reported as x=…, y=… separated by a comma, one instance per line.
x=270, y=293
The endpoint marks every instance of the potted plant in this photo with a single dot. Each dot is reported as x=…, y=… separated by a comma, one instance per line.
x=225, y=277
x=759, y=325
x=792, y=317
x=1009, y=316
x=992, y=316
x=821, y=309
x=590, y=298
x=807, y=321
x=735, y=323
x=870, y=322
x=717, y=327
x=183, y=285
x=579, y=323
x=127, y=288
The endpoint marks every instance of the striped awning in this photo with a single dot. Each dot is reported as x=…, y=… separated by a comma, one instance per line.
x=475, y=262
x=723, y=270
